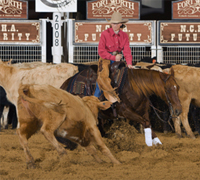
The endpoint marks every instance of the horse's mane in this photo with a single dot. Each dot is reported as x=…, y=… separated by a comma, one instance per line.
x=146, y=82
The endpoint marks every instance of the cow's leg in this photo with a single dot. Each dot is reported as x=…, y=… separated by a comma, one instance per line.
x=184, y=119
x=92, y=150
x=5, y=116
x=95, y=133
x=24, y=132
x=195, y=119
x=48, y=129
x=185, y=100
x=177, y=126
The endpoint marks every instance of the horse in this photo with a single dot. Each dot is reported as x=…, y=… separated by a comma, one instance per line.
x=136, y=86
x=187, y=77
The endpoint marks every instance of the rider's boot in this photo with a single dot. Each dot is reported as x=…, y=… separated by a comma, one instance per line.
x=104, y=81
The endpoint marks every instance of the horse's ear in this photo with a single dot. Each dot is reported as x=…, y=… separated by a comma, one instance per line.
x=163, y=76
x=172, y=71
x=134, y=63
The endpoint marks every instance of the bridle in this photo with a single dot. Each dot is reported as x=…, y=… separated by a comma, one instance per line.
x=170, y=107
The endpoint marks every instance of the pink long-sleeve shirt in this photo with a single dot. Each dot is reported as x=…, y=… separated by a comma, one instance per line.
x=110, y=42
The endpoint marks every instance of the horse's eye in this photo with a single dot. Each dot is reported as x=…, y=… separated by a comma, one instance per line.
x=175, y=86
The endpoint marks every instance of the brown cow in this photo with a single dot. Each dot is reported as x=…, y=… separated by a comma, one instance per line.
x=53, y=74
x=55, y=111
x=188, y=78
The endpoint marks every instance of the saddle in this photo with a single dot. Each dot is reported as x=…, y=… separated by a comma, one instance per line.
x=84, y=82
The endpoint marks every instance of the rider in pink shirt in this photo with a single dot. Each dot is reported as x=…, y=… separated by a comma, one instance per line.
x=112, y=44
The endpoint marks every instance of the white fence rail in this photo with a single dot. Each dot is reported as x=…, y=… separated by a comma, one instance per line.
x=27, y=52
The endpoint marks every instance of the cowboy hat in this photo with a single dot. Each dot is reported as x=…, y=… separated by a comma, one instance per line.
x=117, y=18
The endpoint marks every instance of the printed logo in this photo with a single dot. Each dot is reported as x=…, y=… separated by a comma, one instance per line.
x=11, y=7
x=189, y=7
x=56, y=3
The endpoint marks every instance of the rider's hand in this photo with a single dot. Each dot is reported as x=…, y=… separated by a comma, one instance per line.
x=118, y=57
x=131, y=66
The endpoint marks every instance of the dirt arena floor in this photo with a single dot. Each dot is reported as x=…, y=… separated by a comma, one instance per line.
x=176, y=159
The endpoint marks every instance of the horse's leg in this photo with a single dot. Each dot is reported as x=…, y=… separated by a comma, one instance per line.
x=166, y=126
x=155, y=139
x=133, y=116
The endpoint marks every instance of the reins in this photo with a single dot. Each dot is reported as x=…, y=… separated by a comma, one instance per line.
x=155, y=109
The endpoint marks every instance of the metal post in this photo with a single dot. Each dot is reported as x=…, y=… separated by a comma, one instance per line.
x=159, y=54
x=44, y=44
x=57, y=49
x=153, y=47
x=70, y=41
x=159, y=48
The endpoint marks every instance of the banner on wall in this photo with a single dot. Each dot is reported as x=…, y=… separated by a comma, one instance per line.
x=179, y=33
x=56, y=6
x=101, y=9
x=20, y=32
x=186, y=9
x=139, y=32
x=13, y=9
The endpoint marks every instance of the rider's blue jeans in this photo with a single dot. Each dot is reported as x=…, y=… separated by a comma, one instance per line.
x=98, y=92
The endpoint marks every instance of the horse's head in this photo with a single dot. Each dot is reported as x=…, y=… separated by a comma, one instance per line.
x=171, y=93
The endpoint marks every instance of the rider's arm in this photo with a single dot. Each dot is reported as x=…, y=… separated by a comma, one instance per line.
x=127, y=50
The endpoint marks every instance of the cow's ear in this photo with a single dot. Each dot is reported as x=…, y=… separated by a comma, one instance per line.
x=172, y=71
x=9, y=62
x=104, y=105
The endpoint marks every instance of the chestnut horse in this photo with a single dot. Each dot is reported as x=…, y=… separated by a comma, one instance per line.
x=188, y=79
x=139, y=85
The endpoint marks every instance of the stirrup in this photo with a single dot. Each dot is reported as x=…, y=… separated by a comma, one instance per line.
x=113, y=106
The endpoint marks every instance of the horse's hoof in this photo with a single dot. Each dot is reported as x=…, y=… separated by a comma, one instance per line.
x=156, y=141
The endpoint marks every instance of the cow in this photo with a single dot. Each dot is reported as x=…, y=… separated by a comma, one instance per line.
x=188, y=78
x=57, y=113
x=7, y=111
x=54, y=74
